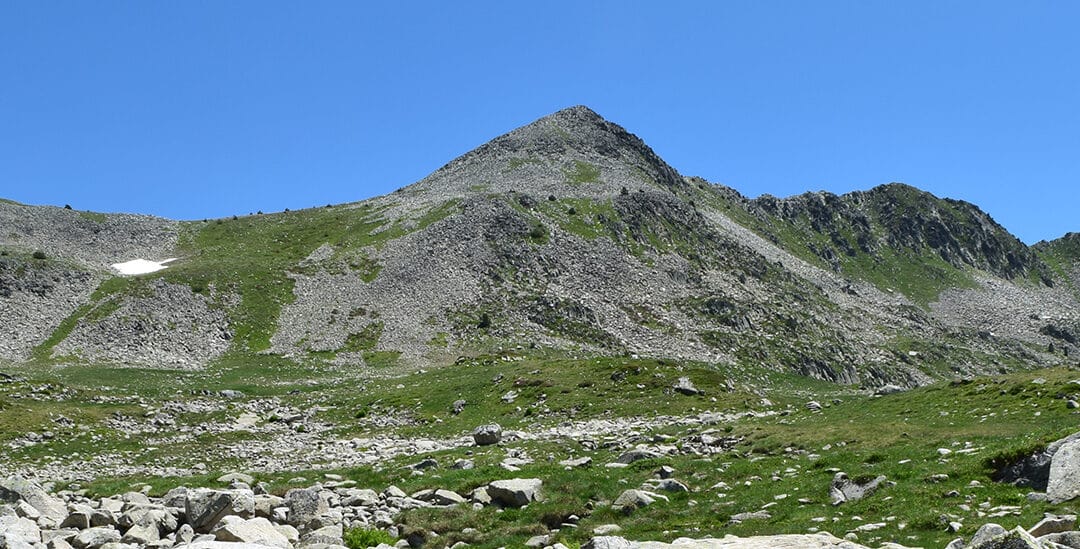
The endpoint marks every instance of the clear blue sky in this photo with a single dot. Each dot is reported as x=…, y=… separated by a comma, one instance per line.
x=205, y=109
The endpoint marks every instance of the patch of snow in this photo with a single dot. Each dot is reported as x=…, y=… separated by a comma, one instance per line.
x=141, y=266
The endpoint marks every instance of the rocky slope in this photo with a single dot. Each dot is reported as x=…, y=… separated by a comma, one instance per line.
x=567, y=235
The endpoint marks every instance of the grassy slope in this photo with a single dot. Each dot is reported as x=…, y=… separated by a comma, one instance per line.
x=918, y=274
x=1061, y=256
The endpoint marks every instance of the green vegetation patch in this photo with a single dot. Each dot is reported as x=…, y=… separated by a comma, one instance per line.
x=94, y=216
x=582, y=173
x=250, y=257
x=366, y=339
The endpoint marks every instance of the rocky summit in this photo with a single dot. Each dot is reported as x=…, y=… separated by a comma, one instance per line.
x=555, y=339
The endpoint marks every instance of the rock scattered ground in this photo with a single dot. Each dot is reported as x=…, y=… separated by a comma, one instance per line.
x=277, y=452
x=169, y=326
x=246, y=515
x=36, y=297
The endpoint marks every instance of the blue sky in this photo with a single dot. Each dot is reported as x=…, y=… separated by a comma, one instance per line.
x=194, y=109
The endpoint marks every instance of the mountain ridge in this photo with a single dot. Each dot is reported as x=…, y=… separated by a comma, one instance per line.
x=568, y=234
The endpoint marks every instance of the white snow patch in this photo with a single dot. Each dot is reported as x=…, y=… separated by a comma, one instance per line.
x=141, y=266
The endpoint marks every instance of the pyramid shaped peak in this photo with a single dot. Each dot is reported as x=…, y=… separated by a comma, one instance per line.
x=571, y=152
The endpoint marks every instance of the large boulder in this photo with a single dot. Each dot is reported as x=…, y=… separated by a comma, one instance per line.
x=515, y=492
x=328, y=535
x=636, y=454
x=486, y=435
x=204, y=507
x=1034, y=470
x=1053, y=524
x=1017, y=538
x=1063, y=483
x=92, y=538
x=686, y=387
x=16, y=489
x=141, y=534
x=440, y=497
x=18, y=532
x=305, y=505
x=257, y=530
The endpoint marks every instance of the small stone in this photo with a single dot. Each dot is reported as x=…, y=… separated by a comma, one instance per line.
x=576, y=463
x=686, y=387
x=236, y=477
x=636, y=455
x=633, y=499
x=755, y=515
x=672, y=485
x=607, y=529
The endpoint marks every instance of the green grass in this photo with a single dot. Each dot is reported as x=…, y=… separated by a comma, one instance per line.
x=366, y=339
x=362, y=538
x=582, y=173
x=588, y=219
x=515, y=163
x=920, y=277
x=93, y=216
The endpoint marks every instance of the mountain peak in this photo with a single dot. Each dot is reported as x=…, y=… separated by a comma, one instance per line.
x=571, y=152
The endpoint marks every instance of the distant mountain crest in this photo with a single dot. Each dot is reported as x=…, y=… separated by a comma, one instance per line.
x=573, y=152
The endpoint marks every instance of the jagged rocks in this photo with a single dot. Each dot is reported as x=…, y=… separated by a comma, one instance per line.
x=1018, y=538
x=18, y=532
x=165, y=325
x=1053, y=524
x=204, y=507
x=16, y=489
x=305, y=506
